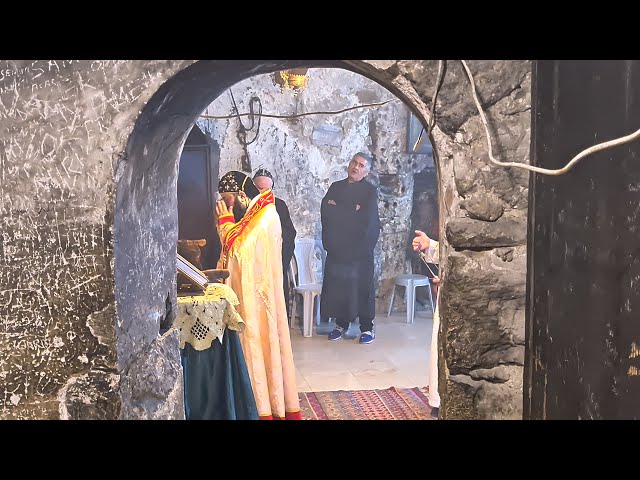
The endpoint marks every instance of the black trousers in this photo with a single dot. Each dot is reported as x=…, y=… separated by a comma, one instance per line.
x=348, y=292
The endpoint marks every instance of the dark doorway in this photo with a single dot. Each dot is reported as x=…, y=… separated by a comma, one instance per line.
x=425, y=217
x=197, y=176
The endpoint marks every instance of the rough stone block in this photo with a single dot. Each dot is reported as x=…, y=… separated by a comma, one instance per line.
x=470, y=233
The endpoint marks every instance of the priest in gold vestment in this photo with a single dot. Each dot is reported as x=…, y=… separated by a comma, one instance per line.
x=251, y=236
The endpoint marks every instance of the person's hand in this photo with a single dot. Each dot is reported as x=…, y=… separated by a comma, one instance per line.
x=421, y=241
x=221, y=209
x=435, y=280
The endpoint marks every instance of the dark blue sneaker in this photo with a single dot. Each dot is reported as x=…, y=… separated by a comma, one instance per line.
x=336, y=333
x=366, y=337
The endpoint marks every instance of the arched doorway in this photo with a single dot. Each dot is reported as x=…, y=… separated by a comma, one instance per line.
x=145, y=222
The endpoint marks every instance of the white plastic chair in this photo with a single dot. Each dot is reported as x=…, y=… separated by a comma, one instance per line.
x=306, y=271
x=411, y=281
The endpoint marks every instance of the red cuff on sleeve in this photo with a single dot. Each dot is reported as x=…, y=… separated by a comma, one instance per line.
x=225, y=218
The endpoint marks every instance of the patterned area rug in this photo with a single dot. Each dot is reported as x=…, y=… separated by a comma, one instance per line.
x=390, y=404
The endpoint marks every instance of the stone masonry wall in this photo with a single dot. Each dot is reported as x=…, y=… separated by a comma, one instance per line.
x=484, y=222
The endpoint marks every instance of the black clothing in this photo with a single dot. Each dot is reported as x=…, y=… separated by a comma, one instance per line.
x=350, y=231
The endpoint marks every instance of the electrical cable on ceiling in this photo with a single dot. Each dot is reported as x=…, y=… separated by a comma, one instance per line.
x=238, y=115
x=441, y=66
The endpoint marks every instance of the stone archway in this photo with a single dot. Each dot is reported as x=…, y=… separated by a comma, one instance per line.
x=483, y=327
x=108, y=154
x=146, y=186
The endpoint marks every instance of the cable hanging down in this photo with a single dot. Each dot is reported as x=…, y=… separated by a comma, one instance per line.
x=432, y=120
x=596, y=148
x=252, y=115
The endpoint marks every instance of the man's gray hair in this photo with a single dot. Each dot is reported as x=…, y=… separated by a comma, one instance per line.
x=367, y=157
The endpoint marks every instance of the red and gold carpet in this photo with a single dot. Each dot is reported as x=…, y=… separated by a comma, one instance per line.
x=389, y=404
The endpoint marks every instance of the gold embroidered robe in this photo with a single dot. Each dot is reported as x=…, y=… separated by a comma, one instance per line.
x=252, y=251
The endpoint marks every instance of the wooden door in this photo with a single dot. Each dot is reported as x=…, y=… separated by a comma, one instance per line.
x=583, y=299
x=197, y=181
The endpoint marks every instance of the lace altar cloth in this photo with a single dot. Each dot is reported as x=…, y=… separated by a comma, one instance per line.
x=203, y=318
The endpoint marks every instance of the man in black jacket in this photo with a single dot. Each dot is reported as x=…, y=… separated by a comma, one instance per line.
x=350, y=231
x=264, y=180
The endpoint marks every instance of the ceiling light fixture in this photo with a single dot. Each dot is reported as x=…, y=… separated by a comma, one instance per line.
x=295, y=79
